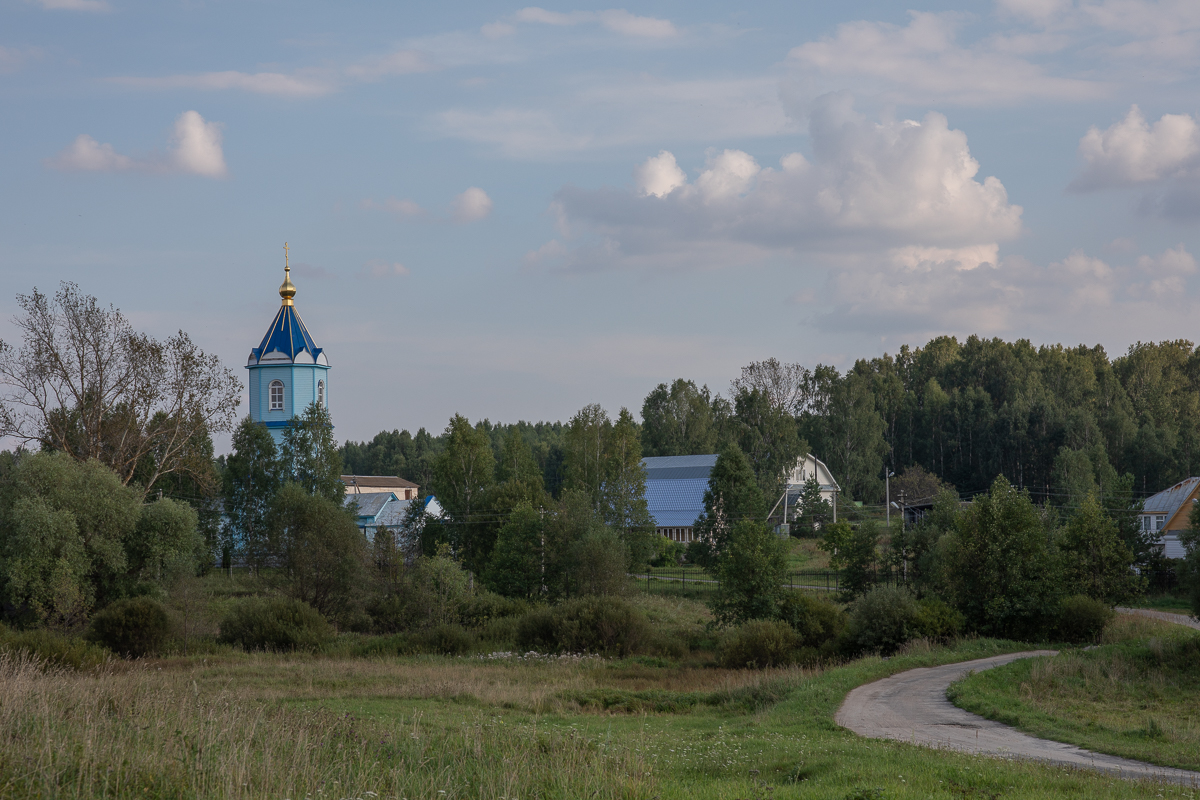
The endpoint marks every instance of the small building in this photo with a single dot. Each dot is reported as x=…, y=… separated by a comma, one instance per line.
x=675, y=487
x=812, y=467
x=376, y=484
x=1167, y=514
x=378, y=509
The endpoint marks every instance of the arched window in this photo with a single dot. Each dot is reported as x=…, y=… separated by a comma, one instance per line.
x=277, y=395
x=321, y=393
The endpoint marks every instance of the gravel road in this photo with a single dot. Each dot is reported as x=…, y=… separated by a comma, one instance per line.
x=912, y=707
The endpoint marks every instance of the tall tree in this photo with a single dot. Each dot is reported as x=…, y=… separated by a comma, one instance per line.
x=768, y=437
x=84, y=382
x=682, y=420
x=624, y=490
x=1093, y=559
x=732, y=496
x=585, y=451
x=308, y=454
x=462, y=476
x=251, y=479
x=782, y=385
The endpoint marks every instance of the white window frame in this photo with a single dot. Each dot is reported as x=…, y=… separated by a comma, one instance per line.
x=273, y=404
x=321, y=393
x=1159, y=521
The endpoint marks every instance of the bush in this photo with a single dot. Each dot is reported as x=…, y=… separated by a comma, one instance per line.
x=936, y=620
x=668, y=553
x=487, y=606
x=606, y=625
x=759, y=644
x=881, y=621
x=816, y=620
x=135, y=627
x=447, y=640
x=274, y=623
x=1082, y=619
x=53, y=649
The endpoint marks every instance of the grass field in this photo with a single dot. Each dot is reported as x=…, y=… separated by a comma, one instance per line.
x=1137, y=696
x=242, y=726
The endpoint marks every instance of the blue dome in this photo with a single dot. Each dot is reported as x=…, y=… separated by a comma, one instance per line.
x=287, y=340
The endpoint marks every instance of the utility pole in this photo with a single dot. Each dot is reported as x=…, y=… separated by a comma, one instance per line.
x=887, y=488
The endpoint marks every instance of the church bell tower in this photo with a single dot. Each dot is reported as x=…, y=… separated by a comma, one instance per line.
x=288, y=372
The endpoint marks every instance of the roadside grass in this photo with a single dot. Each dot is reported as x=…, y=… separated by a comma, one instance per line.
x=1175, y=603
x=273, y=725
x=1134, y=696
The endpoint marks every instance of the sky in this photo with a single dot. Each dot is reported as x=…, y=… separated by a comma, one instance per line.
x=509, y=212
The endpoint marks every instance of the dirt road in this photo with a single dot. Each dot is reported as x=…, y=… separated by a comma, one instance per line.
x=912, y=707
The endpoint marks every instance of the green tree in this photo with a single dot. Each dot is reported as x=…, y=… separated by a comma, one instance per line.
x=251, y=479
x=681, y=420
x=1000, y=570
x=518, y=564
x=812, y=510
x=87, y=384
x=323, y=553
x=309, y=456
x=72, y=537
x=462, y=476
x=1190, y=539
x=854, y=552
x=586, y=449
x=733, y=496
x=768, y=436
x=751, y=570
x=1094, y=560
x=624, y=490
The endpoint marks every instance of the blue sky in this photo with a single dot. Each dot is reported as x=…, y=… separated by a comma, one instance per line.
x=511, y=211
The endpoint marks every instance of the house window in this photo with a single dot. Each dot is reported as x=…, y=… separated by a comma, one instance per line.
x=1159, y=522
x=321, y=393
x=277, y=395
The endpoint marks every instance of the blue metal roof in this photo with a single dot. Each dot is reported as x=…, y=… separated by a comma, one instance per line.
x=288, y=336
x=677, y=467
x=675, y=502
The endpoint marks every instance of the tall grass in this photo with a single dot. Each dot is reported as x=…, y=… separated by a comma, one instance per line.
x=148, y=733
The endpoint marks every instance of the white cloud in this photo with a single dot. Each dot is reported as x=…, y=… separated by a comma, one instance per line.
x=631, y=110
x=617, y=20
x=383, y=269
x=497, y=30
x=401, y=62
x=659, y=175
x=1132, y=151
x=472, y=205
x=1087, y=296
x=197, y=146
x=195, y=149
x=74, y=5
x=87, y=155
x=906, y=188
x=923, y=62
x=273, y=83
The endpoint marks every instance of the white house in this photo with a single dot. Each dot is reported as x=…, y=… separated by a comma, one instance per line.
x=1167, y=514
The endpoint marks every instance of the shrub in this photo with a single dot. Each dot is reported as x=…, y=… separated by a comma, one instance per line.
x=1082, y=619
x=53, y=649
x=135, y=627
x=274, y=623
x=816, y=620
x=881, y=621
x=593, y=624
x=936, y=620
x=447, y=640
x=759, y=644
x=668, y=553
x=487, y=606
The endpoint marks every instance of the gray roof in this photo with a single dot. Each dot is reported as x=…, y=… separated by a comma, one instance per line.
x=369, y=505
x=393, y=515
x=1168, y=501
x=679, y=467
